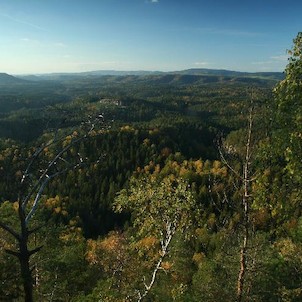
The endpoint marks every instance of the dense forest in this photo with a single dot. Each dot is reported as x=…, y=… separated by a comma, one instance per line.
x=152, y=187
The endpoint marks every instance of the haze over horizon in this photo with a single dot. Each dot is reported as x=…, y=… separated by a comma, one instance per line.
x=77, y=36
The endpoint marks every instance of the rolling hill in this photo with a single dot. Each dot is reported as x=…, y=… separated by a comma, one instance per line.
x=6, y=79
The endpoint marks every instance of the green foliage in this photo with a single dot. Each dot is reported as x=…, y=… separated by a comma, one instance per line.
x=154, y=203
x=278, y=187
x=156, y=165
x=10, y=281
x=288, y=95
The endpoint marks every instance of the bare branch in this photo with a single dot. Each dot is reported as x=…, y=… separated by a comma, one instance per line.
x=224, y=160
x=36, y=229
x=37, y=154
x=41, y=181
x=9, y=230
x=42, y=187
x=37, y=249
x=35, y=204
x=14, y=253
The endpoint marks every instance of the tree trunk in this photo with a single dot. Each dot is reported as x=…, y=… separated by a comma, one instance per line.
x=24, y=255
x=243, y=261
x=165, y=242
x=246, y=179
x=26, y=274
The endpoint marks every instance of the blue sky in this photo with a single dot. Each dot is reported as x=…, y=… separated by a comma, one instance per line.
x=42, y=36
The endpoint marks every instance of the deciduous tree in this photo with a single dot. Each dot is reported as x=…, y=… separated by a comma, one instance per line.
x=160, y=207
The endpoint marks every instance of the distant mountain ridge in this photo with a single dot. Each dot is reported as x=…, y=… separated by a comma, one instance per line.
x=6, y=79
x=188, y=76
x=192, y=71
x=230, y=73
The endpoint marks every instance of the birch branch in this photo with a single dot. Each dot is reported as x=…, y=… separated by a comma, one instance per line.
x=165, y=242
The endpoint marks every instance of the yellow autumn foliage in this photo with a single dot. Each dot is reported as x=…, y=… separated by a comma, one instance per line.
x=147, y=242
x=198, y=166
x=71, y=234
x=166, y=265
x=99, y=251
x=57, y=210
x=127, y=128
x=198, y=258
x=16, y=206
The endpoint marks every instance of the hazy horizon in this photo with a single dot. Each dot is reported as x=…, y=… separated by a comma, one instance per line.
x=130, y=71
x=64, y=36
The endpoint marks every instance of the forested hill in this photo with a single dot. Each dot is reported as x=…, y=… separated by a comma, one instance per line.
x=25, y=102
x=152, y=187
x=6, y=79
x=234, y=74
x=221, y=75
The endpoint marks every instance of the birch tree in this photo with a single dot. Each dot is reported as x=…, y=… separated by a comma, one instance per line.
x=159, y=208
